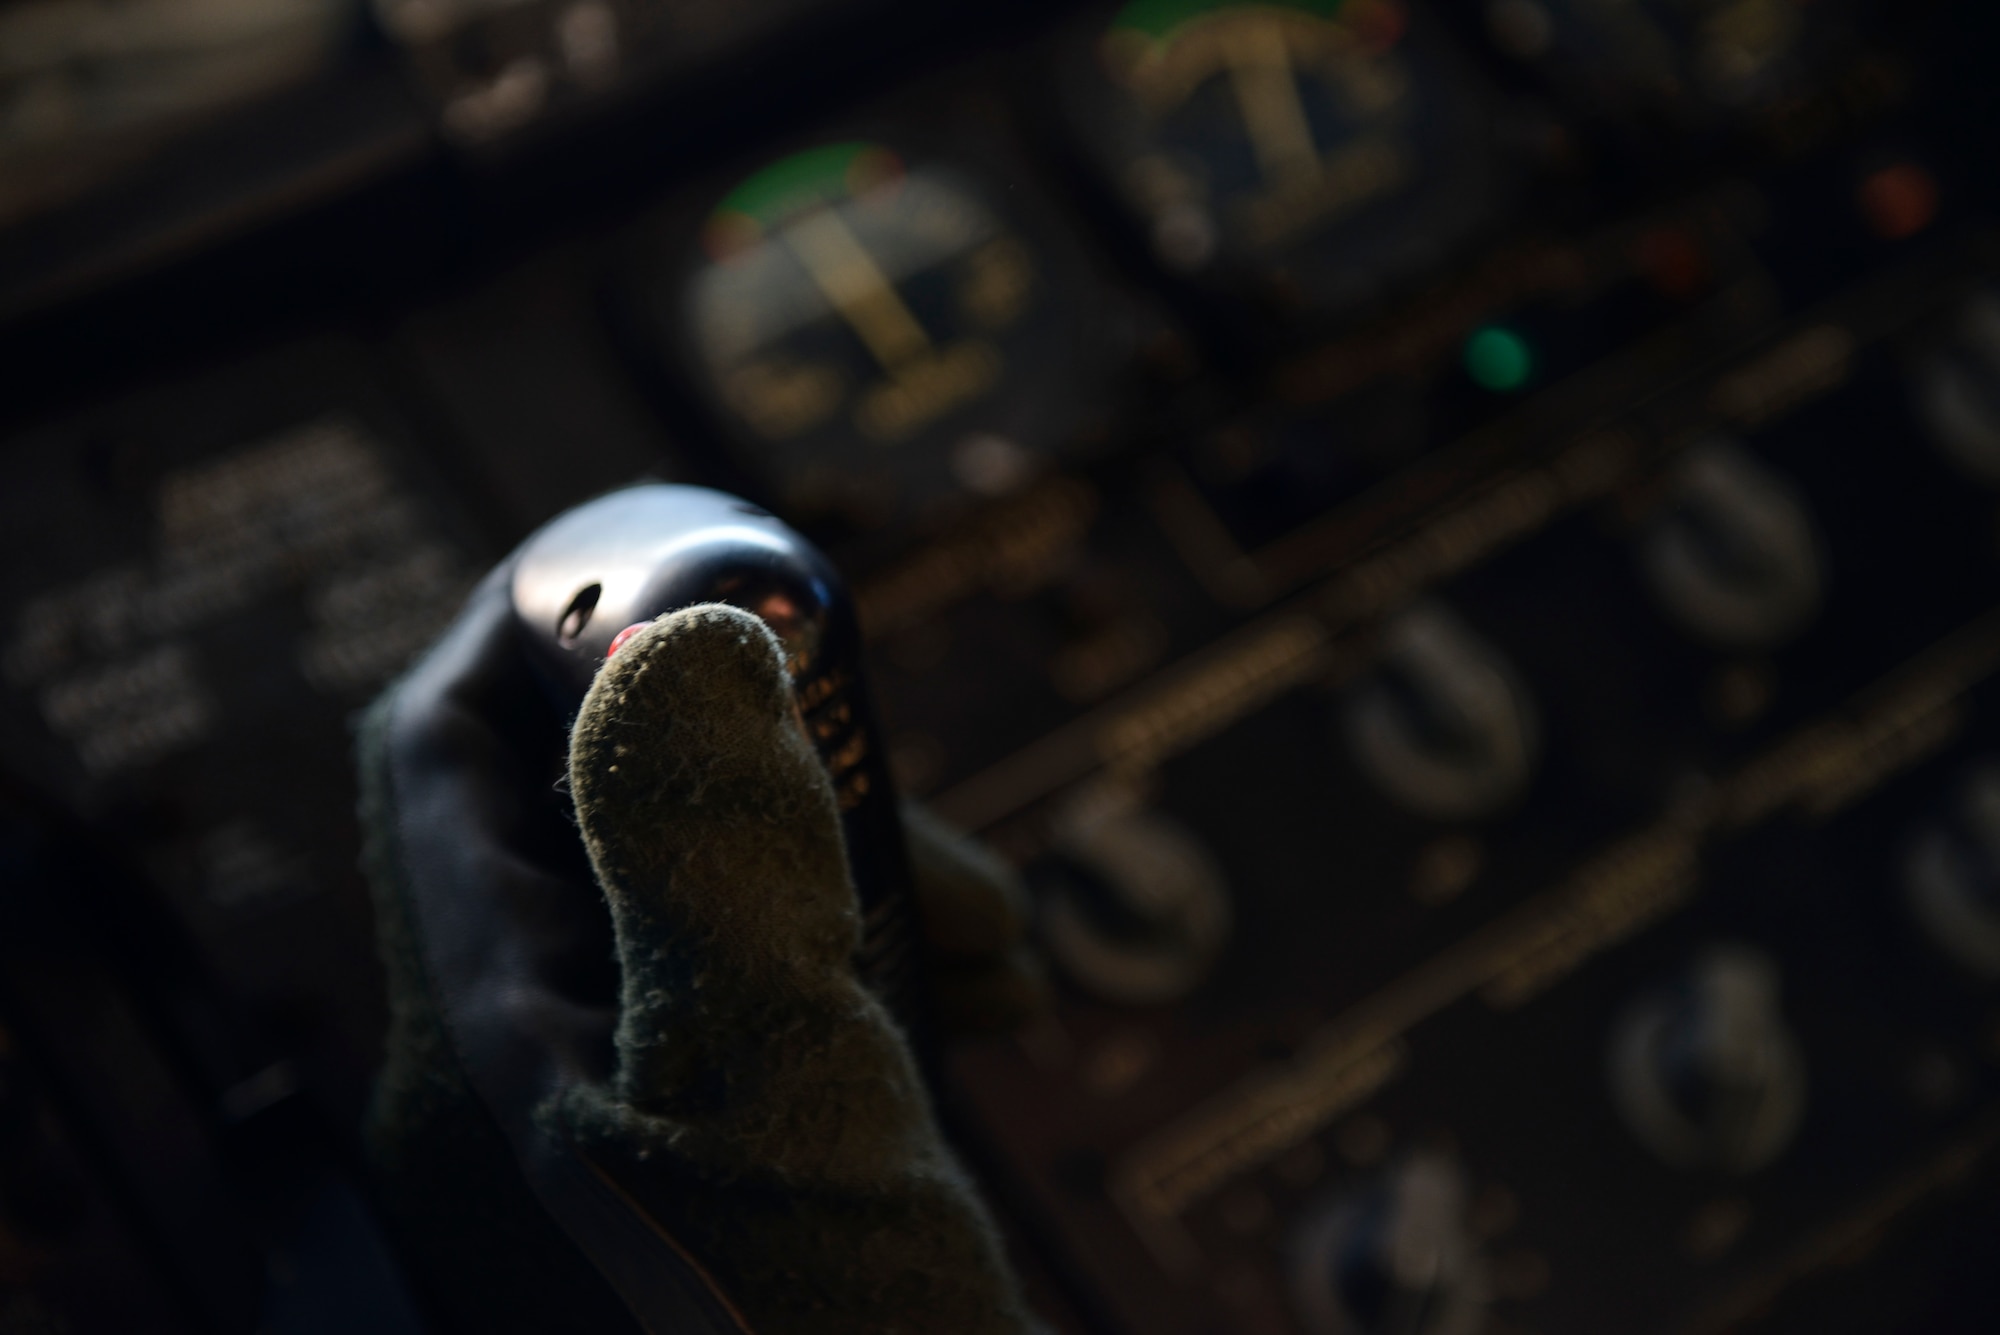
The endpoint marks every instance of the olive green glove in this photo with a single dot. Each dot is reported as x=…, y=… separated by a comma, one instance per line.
x=632, y=1083
x=765, y=1107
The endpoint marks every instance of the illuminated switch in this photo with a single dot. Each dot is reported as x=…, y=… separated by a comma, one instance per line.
x=1732, y=555
x=1391, y=1257
x=1957, y=389
x=1133, y=907
x=1443, y=726
x=1706, y=1070
x=1951, y=874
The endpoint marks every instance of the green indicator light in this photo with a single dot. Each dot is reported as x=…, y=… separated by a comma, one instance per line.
x=795, y=185
x=798, y=182
x=1498, y=359
x=1158, y=19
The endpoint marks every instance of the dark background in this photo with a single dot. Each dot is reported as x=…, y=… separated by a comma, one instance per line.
x=282, y=369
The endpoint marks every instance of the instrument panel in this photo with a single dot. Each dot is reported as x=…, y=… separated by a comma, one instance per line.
x=1453, y=544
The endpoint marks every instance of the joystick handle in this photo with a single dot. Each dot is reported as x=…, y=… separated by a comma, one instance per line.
x=638, y=554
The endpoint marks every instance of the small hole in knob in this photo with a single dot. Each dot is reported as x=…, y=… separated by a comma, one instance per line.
x=577, y=615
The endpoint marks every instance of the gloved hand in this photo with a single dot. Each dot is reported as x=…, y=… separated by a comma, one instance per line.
x=632, y=1082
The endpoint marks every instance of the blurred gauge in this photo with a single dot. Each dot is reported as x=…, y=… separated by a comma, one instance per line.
x=1307, y=152
x=877, y=333
x=1692, y=58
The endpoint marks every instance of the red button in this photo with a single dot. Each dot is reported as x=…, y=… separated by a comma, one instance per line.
x=1899, y=201
x=1673, y=262
x=618, y=640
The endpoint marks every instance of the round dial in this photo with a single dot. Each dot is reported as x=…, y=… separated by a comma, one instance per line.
x=1311, y=149
x=874, y=330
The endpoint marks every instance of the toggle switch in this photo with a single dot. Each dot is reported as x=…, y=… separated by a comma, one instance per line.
x=1957, y=390
x=1732, y=555
x=1706, y=1070
x=1951, y=874
x=1443, y=725
x=1393, y=1256
x=1133, y=906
